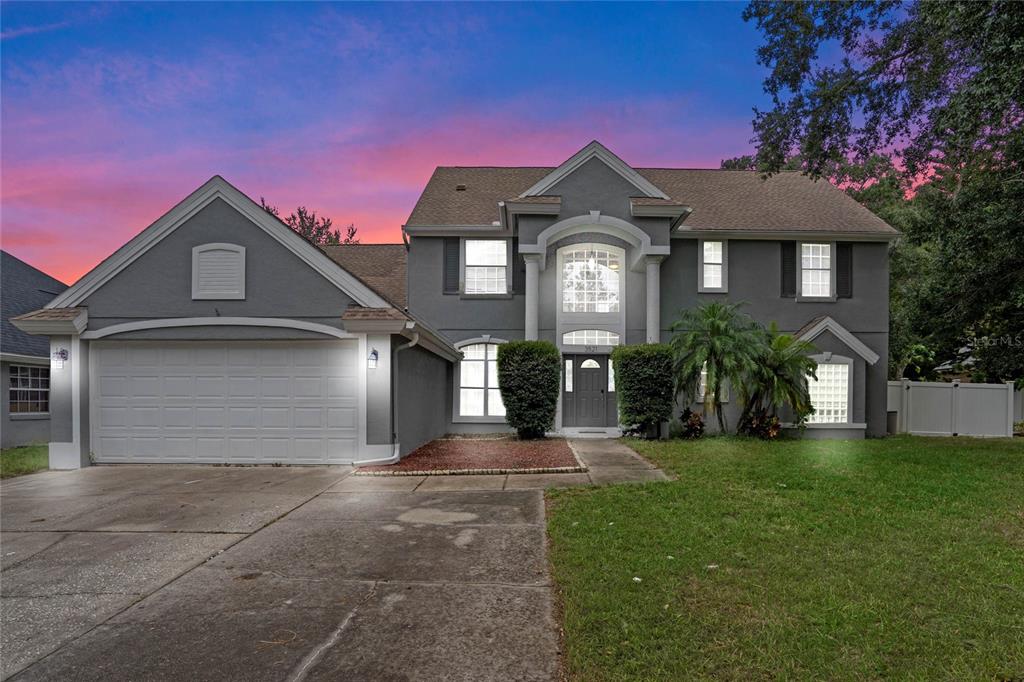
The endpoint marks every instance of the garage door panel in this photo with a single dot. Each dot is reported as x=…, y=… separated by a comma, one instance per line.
x=249, y=402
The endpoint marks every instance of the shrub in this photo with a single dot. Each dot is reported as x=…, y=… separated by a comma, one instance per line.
x=761, y=425
x=690, y=425
x=643, y=382
x=528, y=374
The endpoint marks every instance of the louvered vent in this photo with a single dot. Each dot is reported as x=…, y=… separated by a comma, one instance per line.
x=218, y=271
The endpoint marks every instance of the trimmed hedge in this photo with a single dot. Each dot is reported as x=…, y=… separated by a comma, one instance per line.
x=643, y=381
x=529, y=373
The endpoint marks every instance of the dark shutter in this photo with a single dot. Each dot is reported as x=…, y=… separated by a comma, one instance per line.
x=518, y=270
x=844, y=270
x=451, y=265
x=789, y=269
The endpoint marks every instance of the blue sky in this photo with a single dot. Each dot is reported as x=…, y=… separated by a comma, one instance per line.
x=112, y=113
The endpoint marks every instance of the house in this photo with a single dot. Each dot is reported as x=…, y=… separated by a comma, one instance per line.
x=24, y=359
x=219, y=335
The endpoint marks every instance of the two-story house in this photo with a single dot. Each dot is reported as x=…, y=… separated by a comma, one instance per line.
x=219, y=335
x=595, y=253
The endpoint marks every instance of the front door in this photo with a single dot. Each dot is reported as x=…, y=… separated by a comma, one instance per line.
x=587, y=401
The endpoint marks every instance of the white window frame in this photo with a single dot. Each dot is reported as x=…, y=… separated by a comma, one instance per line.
x=463, y=265
x=613, y=252
x=579, y=346
x=701, y=286
x=39, y=391
x=236, y=293
x=800, y=295
x=832, y=359
x=457, y=416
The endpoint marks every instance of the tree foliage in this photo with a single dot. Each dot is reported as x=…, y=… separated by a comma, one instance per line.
x=319, y=230
x=939, y=82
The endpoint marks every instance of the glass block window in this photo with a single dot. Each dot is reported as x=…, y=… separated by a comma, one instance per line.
x=29, y=390
x=816, y=269
x=590, y=281
x=479, y=395
x=713, y=264
x=590, y=337
x=486, y=266
x=830, y=394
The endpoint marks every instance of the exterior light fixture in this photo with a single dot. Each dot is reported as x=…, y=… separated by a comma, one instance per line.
x=371, y=360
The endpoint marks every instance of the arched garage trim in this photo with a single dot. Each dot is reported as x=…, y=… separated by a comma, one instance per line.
x=175, y=322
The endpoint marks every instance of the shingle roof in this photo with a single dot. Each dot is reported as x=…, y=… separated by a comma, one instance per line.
x=51, y=314
x=380, y=266
x=358, y=313
x=721, y=199
x=23, y=288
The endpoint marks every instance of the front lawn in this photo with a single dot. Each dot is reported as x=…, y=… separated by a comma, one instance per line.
x=897, y=558
x=23, y=460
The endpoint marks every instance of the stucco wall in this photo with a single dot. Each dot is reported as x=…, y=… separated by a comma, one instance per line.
x=19, y=430
x=421, y=396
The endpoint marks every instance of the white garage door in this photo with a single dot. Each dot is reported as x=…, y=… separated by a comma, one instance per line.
x=246, y=402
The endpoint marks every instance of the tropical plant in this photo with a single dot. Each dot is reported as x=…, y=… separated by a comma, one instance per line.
x=778, y=378
x=528, y=375
x=689, y=426
x=719, y=341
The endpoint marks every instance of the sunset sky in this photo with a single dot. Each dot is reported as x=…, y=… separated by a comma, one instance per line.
x=111, y=114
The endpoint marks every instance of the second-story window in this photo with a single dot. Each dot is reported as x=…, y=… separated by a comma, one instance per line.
x=713, y=271
x=816, y=270
x=486, y=266
x=590, y=281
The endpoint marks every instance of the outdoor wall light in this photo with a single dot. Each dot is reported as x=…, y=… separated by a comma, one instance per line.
x=371, y=360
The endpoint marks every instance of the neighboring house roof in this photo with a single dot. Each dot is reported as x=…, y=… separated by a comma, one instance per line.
x=23, y=288
x=721, y=200
x=381, y=266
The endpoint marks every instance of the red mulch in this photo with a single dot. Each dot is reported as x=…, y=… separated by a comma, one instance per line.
x=466, y=455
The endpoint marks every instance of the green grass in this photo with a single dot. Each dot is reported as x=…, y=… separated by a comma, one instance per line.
x=23, y=460
x=900, y=558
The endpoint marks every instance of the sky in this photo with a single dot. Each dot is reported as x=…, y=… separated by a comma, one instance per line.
x=112, y=113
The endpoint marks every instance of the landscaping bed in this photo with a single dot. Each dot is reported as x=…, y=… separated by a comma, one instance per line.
x=497, y=454
x=896, y=558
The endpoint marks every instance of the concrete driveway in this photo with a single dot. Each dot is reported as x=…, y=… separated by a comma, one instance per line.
x=182, y=572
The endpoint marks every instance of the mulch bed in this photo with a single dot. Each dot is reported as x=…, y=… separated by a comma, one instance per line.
x=489, y=455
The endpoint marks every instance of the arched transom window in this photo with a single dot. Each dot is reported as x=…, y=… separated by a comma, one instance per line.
x=590, y=280
x=590, y=337
x=479, y=395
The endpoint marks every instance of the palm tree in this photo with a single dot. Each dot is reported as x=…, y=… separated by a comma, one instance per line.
x=779, y=376
x=718, y=339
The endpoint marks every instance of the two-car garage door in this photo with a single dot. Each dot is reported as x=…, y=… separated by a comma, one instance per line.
x=248, y=402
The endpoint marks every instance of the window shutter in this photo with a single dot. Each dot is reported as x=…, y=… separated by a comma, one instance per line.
x=518, y=270
x=451, y=265
x=788, y=269
x=844, y=270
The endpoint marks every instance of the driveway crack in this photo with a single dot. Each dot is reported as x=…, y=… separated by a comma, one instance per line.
x=314, y=656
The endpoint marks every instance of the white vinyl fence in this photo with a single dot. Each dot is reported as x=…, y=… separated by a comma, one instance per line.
x=932, y=408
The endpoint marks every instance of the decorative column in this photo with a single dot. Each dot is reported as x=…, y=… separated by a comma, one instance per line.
x=532, y=295
x=654, y=299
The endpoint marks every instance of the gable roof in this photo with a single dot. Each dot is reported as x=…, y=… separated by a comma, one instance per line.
x=722, y=200
x=23, y=288
x=381, y=266
x=595, y=150
x=217, y=188
x=818, y=325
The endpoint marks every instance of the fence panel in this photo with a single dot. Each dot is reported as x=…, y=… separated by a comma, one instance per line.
x=931, y=408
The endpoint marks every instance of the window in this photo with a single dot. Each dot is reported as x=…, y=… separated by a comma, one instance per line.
x=568, y=376
x=29, y=391
x=218, y=272
x=702, y=387
x=478, y=382
x=830, y=394
x=713, y=271
x=611, y=376
x=486, y=266
x=590, y=337
x=590, y=363
x=590, y=280
x=816, y=270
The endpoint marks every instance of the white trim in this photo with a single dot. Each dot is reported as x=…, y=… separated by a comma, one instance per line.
x=828, y=358
x=572, y=321
x=701, y=288
x=840, y=332
x=216, y=188
x=463, y=265
x=173, y=322
x=18, y=359
x=238, y=293
x=594, y=150
x=832, y=269
x=458, y=418
x=601, y=224
x=65, y=327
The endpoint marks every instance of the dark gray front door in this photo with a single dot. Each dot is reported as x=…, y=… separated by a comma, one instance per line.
x=591, y=387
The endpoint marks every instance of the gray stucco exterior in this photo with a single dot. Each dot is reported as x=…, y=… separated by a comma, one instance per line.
x=421, y=398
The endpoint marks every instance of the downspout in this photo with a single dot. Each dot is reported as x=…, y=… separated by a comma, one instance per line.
x=394, y=393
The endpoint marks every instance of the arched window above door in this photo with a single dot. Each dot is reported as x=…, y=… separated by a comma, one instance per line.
x=590, y=337
x=590, y=279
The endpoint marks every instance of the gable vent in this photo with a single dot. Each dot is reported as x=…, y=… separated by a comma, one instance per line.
x=460, y=188
x=218, y=272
